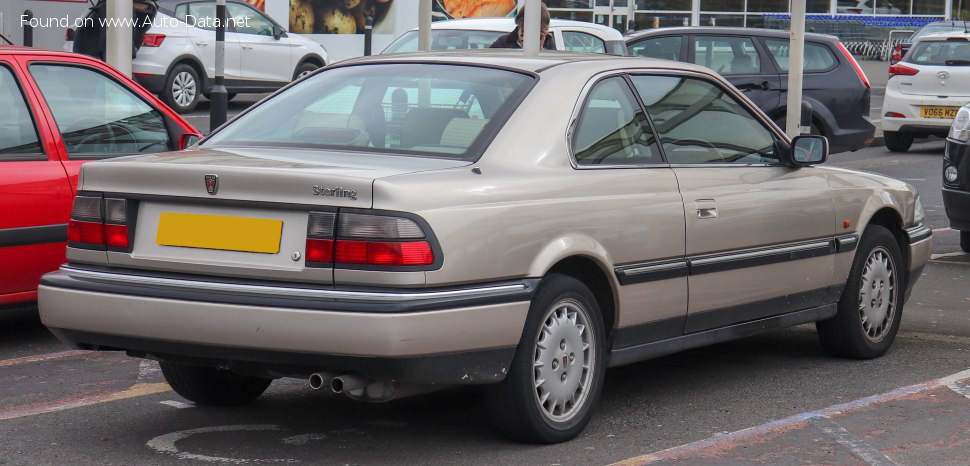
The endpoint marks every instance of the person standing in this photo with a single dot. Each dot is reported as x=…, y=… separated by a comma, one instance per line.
x=516, y=38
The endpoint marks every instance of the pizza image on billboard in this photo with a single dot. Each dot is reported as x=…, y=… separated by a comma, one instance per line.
x=335, y=16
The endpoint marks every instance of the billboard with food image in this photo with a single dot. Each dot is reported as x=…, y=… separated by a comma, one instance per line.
x=457, y=9
x=258, y=4
x=336, y=16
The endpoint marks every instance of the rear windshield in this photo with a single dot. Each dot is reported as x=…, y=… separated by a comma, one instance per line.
x=449, y=111
x=444, y=39
x=940, y=53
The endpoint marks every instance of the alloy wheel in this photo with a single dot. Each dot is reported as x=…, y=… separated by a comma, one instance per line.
x=877, y=294
x=184, y=88
x=564, y=360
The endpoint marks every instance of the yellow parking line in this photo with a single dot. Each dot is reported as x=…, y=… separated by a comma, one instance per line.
x=139, y=389
x=42, y=357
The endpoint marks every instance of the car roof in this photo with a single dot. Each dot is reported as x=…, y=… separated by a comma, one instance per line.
x=943, y=36
x=22, y=50
x=516, y=60
x=508, y=24
x=733, y=31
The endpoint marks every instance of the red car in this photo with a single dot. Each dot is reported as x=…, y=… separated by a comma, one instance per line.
x=60, y=110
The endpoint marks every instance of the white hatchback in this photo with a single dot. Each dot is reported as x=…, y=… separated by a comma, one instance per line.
x=480, y=33
x=926, y=89
x=176, y=59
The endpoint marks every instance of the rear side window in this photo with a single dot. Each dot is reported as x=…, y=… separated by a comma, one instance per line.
x=727, y=55
x=18, y=136
x=97, y=116
x=667, y=48
x=940, y=53
x=612, y=129
x=699, y=123
x=575, y=41
x=817, y=56
x=403, y=109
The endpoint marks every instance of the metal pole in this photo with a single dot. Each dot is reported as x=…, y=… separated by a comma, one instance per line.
x=218, y=98
x=796, y=58
x=368, y=35
x=118, y=49
x=531, y=28
x=424, y=26
x=28, y=29
x=695, y=12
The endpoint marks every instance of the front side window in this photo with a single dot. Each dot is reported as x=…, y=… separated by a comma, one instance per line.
x=817, y=56
x=96, y=115
x=699, y=122
x=940, y=53
x=667, y=48
x=612, y=129
x=202, y=15
x=18, y=136
x=403, y=109
x=246, y=20
x=727, y=55
x=575, y=41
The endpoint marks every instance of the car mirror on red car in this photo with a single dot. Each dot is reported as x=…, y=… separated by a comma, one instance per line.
x=188, y=139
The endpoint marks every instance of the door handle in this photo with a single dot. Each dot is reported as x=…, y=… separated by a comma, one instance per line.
x=201, y=42
x=706, y=208
x=247, y=47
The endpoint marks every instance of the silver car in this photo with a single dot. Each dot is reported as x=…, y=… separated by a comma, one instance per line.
x=395, y=225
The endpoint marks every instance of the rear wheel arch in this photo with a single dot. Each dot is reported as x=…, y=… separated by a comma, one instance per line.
x=596, y=278
x=195, y=64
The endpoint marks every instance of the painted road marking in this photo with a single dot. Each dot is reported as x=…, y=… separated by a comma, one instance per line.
x=166, y=444
x=139, y=389
x=43, y=357
x=859, y=447
x=176, y=404
x=797, y=421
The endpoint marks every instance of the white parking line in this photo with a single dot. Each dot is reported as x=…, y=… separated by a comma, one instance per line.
x=176, y=404
x=859, y=447
x=42, y=358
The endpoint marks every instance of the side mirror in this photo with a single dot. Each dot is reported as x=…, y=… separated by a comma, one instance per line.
x=188, y=139
x=809, y=150
x=278, y=32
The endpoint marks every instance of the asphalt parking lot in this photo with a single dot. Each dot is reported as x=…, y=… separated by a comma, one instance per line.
x=773, y=398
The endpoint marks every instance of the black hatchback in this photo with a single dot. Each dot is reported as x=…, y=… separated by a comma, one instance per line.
x=756, y=62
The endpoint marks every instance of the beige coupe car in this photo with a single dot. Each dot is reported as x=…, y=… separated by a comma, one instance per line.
x=395, y=225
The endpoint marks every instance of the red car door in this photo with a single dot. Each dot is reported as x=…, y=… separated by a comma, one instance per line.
x=35, y=194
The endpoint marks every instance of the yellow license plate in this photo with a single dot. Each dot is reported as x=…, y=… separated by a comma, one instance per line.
x=938, y=112
x=219, y=232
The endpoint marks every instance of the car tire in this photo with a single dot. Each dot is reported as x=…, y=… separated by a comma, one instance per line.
x=898, y=142
x=873, y=293
x=182, y=88
x=304, y=69
x=563, y=309
x=211, y=386
x=965, y=241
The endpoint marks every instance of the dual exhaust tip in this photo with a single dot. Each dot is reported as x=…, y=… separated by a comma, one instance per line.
x=338, y=384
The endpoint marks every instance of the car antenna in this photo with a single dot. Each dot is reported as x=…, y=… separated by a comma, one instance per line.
x=5, y=39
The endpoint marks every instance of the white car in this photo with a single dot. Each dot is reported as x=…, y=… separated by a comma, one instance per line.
x=866, y=7
x=480, y=33
x=926, y=89
x=260, y=56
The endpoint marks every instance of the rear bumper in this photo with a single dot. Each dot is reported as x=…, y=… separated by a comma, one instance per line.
x=909, y=106
x=153, y=83
x=920, y=239
x=457, y=335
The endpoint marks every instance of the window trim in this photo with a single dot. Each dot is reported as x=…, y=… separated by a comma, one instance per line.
x=578, y=110
x=169, y=125
x=784, y=72
x=43, y=156
x=753, y=111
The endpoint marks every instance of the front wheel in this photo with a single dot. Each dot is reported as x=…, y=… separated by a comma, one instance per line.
x=556, y=376
x=182, y=88
x=871, y=306
x=303, y=70
x=898, y=142
x=211, y=386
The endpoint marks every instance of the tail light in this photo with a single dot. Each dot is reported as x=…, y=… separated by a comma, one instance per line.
x=897, y=53
x=152, y=40
x=895, y=115
x=366, y=240
x=902, y=70
x=855, y=65
x=98, y=223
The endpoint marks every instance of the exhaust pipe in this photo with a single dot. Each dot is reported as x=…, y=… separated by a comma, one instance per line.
x=348, y=383
x=319, y=380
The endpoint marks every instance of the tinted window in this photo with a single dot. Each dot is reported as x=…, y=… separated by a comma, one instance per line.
x=817, y=56
x=396, y=108
x=667, y=48
x=443, y=39
x=939, y=53
x=698, y=122
x=727, y=55
x=245, y=20
x=18, y=137
x=98, y=116
x=574, y=41
x=612, y=129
